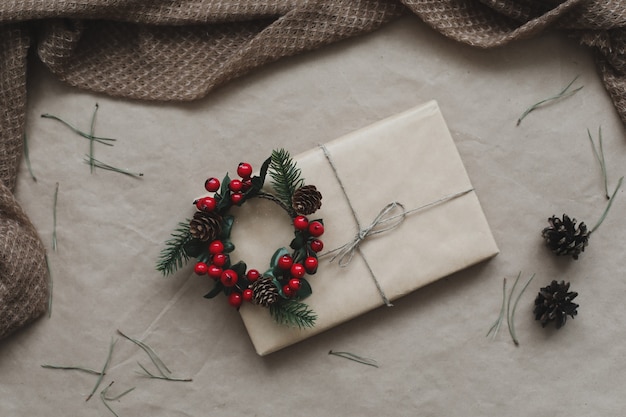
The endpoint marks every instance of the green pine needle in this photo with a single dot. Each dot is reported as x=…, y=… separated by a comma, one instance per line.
x=599, y=154
x=54, y=217
x=104, y=141
x=511, y=320
x=150, y=352
x=496, y=325
x=91, y=134
x=286, y=176
x=50, y=285
x=608, y=206
x=27, y=159
x=104, y=368
x=355, y=358
x=105, y=399
x=293, y=313
x=102, y=165
x=72, y=368
x=562, y=94
x=173, y=256
x=164, y=377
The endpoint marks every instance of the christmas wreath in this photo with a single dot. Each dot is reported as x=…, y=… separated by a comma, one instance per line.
x=206, y=237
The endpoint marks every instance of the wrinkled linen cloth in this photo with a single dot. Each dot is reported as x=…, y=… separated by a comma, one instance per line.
x=183, y=49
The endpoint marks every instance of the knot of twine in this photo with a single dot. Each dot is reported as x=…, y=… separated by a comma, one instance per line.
x=389, y=222
x=346, y=252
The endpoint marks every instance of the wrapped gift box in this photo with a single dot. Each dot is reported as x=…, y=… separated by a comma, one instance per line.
x=409, y=158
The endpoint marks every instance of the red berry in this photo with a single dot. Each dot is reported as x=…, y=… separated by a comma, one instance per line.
x=301, y=222
x=297, y=270
x=206, y=203
x=253, y=275
x=212, y=184
x=220, y=259
x=248, y=294
x=310, y=264
x=201, y=268
x=247, y=184
x=295, y=284
x=214, y=271
x=316, y=229
x=244, y=170
x=285, y=262
x=216, y=247
x=235, y=299
x=229, y=278
x=288, y=291
x=317, y=245
x=236, y=198
x=235, y=185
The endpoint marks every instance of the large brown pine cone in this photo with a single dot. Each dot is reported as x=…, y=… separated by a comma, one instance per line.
x=264, y=292
x=554, y=303
x=306, y=200
x=563, y=238
x=205, y=226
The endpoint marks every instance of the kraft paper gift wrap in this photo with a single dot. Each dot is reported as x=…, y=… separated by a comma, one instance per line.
x=409, y=158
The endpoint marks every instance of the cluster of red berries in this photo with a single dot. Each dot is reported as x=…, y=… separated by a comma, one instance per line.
x=218, y=266
x=236, y=187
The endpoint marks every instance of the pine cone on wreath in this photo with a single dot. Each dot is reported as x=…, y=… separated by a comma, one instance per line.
x=306, y=200
x=554, y=303
x=264, y=292
x=205, y=226
x=563, y=238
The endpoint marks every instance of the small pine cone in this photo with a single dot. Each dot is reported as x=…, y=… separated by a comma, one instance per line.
x=554, y=303
x=563, y=238
x=205, y=226
x=306, y=200
x=264, y=292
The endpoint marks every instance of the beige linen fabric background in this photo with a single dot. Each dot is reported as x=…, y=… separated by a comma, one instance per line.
x=434, y=359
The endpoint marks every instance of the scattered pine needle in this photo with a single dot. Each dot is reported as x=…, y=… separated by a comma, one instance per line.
x=49, y=286
x=163, y=369
x=54, y=217
x=104, y=368
x=562, y=94
x=599, y=154
x=512, y=316
x=355, y=358
x=72, y=368
x=105, y=399
x=165, y=377
x=507, y=310
x=99, y=164
x=496, y=326
x=104, y=141
x=608, y=206
x=27, y=159
x=91, y=136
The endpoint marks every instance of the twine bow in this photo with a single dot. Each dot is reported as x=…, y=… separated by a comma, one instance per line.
x=346, y=252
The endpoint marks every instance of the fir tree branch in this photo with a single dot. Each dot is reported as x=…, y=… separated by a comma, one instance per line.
x=286, y=176
x=173, y=256
x=293, y=313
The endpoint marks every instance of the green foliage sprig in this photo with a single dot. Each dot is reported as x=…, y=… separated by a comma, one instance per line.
x=294, y=314
x=174, y=256
x=286, y=176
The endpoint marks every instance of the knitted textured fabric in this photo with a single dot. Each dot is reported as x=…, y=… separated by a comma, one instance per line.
x=182, y=49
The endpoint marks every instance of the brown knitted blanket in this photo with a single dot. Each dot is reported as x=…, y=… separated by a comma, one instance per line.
x=182, y=49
